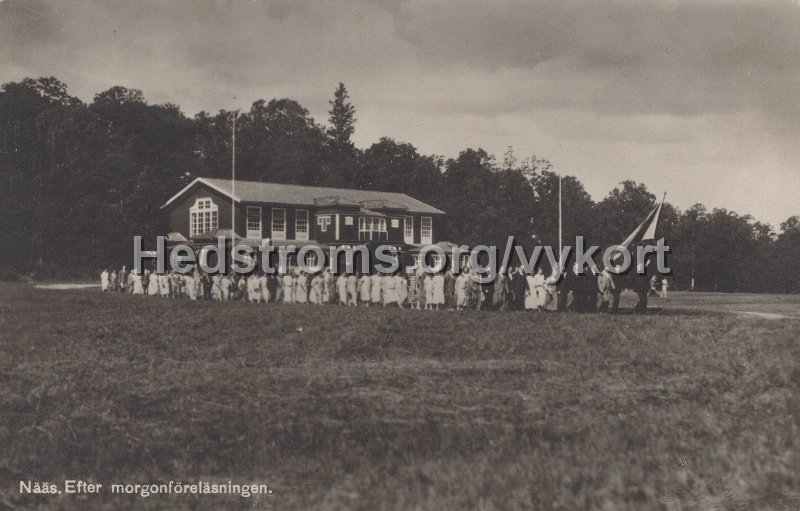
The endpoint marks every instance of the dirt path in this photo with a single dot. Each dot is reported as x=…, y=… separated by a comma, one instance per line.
x=764, y=315
x=66, y=286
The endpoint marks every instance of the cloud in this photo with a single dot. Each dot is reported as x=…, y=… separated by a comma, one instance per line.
x=696, y=97
x=677, y=57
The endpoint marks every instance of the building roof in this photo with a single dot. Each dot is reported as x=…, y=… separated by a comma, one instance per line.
x=369, y=212
x=257, y=191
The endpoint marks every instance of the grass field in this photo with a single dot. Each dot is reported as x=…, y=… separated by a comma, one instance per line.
x=695, y=406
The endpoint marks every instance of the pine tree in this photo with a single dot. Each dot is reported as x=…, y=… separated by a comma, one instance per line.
x=342, y=119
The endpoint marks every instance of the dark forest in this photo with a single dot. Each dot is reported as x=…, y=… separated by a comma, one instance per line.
x=79, y=180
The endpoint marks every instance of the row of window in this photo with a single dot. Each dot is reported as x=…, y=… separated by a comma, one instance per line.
x=278, y=227
x=204, y=217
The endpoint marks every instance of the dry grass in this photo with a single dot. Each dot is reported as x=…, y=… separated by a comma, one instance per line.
x=395, y=409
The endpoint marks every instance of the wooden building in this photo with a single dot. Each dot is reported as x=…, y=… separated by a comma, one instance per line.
x=300, y=215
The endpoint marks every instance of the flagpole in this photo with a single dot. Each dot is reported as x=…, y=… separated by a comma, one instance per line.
x=560, y=232
x=233, y=179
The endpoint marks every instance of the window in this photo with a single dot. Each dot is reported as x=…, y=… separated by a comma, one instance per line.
x=310, y=261
x=434, y=259
x=408, y=229
x=203, y=217
x=348, y=220
x=323, y=222
x=426, y=230
x=278, y=223
x=372, y=229
x=395, y=223
x=301, y=224
x=253, y=222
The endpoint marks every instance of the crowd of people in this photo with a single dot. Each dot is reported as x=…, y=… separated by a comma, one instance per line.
x=511, y=290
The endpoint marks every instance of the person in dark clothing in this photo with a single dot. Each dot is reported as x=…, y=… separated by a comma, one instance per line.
x=487, y=295
x=641, y=285
x=476, y=294
x=653, y=291
x=616, y=291
x=500, y=290
x=449, y=291
x=518, y=286
x=587, y=291
x=205, y=282
x=273, y=286
x=578, y=291
x=566, y=286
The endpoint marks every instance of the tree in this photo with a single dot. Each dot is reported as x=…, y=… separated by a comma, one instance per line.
x=44, y=161
x=279, y=141
x=341, y=159
x=212, y=144
x=621, y=211
x=727, y=250
x=514, y=201
x=78, y=181
x=533, y=165
x=783, y=257
x=465, y=196
x=577, y=207
x=398, y=167
x=118, y=96
x=342, y=119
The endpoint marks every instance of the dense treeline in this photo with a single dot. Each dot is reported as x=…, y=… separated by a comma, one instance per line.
x=79, y=180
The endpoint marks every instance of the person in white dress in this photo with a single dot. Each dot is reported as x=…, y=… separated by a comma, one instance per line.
x=287, y=285
x=226, y=286
x=137, y=287
x=124, y=280
x=388, y=290
x=327, y=286
x=427, y=288
x=530, y=292
x=163, y=285
x=315, y=293
x=104, y=280
x=262, y=284
x=152, y=284
x=131, y=278
x=375, y=289
x=352, y=290
x=300, y=286
x=462, y=285
x=216, y=288
x=437, y=282
x=190, y=285
x=341, y=289
x=364, y=288
x=539, y=289
x=401, y=289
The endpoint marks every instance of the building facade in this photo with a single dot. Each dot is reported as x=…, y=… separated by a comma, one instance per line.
x=286, y=213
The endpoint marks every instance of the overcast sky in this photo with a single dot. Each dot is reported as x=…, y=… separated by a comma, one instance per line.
x=700, y=99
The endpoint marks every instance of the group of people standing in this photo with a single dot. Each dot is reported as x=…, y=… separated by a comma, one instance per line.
x=418, y=290
x=511, y=290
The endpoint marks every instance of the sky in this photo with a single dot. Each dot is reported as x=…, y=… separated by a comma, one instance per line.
x=699, y=99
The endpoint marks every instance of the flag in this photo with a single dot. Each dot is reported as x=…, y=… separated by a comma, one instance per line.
x=646, y=231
